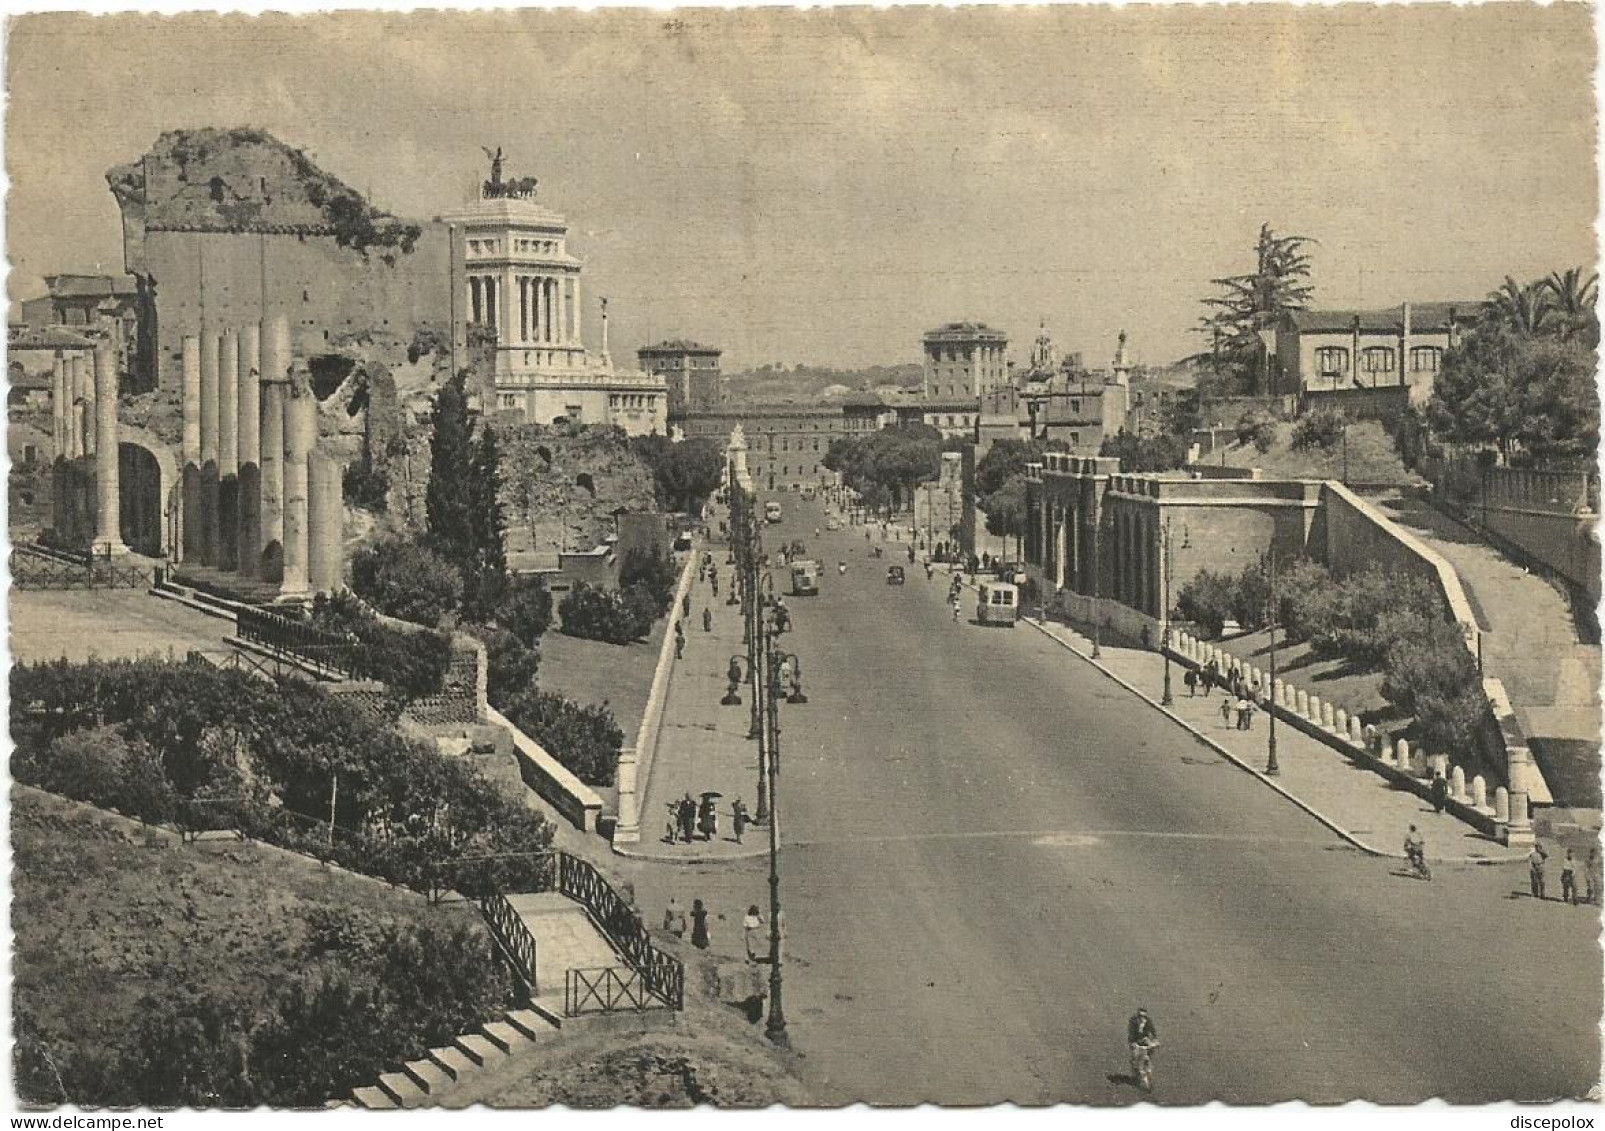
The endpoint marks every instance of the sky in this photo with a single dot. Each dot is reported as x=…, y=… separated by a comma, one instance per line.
x=821, y=187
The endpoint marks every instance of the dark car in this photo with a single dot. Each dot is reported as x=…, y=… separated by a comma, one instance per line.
x=894, y=575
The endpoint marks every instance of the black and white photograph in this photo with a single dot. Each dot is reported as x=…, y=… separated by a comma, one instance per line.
x=752, y=557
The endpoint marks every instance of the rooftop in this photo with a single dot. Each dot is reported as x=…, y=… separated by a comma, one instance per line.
x=46, y=338
x=1425, y=317
x=88, y=286
x=962, y=331
x=680, y=345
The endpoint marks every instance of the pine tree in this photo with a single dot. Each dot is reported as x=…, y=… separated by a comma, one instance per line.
x=449, y=499
x=485, y=506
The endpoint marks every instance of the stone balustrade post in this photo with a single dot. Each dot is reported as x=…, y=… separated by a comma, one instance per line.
x=1457, y=783
x=1301, y=703
x=1502, y=805
x=1316, y=706
x=1479, y=793
x=1340, y=722
x=1401, y=753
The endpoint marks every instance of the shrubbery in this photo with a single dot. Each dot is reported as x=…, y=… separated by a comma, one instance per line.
x=586, y=739
x=1257, y=427
x=413, y=663
x=404, y=812
x=1320, y=428
x=371, y=996
x=653, y=575
x=615, y=616
x=407, y=581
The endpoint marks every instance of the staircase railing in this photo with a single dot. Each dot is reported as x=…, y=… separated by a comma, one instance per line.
x=663, y=974
x=513, y=937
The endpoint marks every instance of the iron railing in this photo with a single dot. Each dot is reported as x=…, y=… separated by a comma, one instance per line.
x=662, y=974
x=513, y=937
x=278, y=634
x=607, y=989
x=42, y=572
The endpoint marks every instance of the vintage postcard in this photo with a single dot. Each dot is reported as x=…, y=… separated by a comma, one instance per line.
x=749, y=556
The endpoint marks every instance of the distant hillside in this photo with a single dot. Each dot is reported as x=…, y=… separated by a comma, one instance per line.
x=808, y=383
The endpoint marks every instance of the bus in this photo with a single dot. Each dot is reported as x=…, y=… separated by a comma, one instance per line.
x=805, y=578
x=771, y=512
x=999, y=603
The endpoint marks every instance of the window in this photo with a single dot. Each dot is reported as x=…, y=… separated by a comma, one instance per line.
x=1378, y=359
x=1424, y=359
x=1331, y=361
x=1075, y=407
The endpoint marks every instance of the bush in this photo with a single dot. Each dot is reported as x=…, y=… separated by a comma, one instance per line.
x=413, y=663
x=585, y=739
x=602, y=614
x=404, y=580
x=1321, y=428
x=1145, y=453
x=1207, y=600
x=101, y=766
x=1431, y=676
x=1353, y=625
x=653, y=574
x=525, y=609
x=511, y=665
x=1257, y=427
x=366, y=487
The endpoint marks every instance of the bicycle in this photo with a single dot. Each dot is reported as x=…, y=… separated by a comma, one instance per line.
x=1142, y=1064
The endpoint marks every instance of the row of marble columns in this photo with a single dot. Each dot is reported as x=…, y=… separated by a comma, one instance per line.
x=1507, y=808
x=547, y=311
x=84, y=431
x=259, y=496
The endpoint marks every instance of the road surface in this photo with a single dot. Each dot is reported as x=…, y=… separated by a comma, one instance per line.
x=994, y=854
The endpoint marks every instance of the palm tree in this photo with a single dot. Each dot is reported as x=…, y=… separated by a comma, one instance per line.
x=1523, y=310
x=1573, y=298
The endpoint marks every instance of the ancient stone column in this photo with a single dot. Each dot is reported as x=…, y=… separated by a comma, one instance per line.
x=578, y=340
x=248, y=413
x=86, y=404
x=300, y=432
x=228, y=449
x=326, y=522
x=275, y=370
x=209, y=488
x=108, y=512
x=190, y=507
x=58, y=406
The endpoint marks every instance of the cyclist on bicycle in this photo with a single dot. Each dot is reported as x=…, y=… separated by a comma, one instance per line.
x=1142, y=1038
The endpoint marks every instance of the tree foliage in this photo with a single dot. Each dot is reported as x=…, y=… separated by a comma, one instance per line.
x=450, y=496
x=1164, y=452
x=1246, y=305
x=684, y=474
x=407, y=581
x=1321, y=428
x=615, y=616
x=884, y=467
x=1006, y=459
x=583, y=737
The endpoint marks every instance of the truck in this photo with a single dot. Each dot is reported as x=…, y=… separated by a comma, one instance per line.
x=805, y=578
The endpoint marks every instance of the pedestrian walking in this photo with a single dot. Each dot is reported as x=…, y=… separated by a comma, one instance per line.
x=707, y=619
x=688, y=817
x=1242, y=709
x=1535, y=869
x=1439, y=792
x=708, y=819
x=1191, y=680
x=1206, y=679
x=685, y=605
x=739, y=818
x=1568, y=879
x=955, y=608
x=1248, y=714
x=752, y=932
x=699, y=925
x=674, y=919
x=679, y=641
x=1226, y=711
x=715, y=581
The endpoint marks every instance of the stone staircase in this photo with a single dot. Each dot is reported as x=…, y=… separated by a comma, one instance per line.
x=425, y=1081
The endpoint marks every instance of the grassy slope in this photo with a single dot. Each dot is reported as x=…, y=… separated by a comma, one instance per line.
x=104, y=910
x=1333, y=680
x=1372, y=458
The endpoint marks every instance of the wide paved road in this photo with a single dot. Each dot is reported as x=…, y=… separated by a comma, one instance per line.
x=993, y=854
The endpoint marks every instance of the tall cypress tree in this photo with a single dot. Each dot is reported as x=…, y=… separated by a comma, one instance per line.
x=448, y=502
x=485, y=506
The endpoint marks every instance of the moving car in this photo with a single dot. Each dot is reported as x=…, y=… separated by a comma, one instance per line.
x=998, y=603
x=894, y=575
x=771, y=512
x=805, y=578
x=833, y=523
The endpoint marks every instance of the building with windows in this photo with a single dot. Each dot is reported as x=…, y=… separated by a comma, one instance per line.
x=516, y=277
x=786, y=443
x=690, y=370
x=1335, y=350
x=964, y=359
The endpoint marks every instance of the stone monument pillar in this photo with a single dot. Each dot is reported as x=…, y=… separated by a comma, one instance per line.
x=300, y=433
x=190, y=507
x=228, y=449
x=275, y=375
x=209, y=490
x=108, y=510
x=248, y=548
x=326, y=521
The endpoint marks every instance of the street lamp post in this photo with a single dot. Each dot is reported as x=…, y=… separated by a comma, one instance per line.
x=775, y=1026
x=1166, y=699
x=1097, y=581
x=1271, y=768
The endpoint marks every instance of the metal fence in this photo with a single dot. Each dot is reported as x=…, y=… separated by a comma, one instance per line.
x=277, y=634
x=607, y=989
x=513, y=937
x=41, y=571
x=662, y=974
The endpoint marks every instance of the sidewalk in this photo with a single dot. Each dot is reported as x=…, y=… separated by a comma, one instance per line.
x=1358, y=805
x=703, y=745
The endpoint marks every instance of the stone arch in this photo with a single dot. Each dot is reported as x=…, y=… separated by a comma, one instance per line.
x=149, y=507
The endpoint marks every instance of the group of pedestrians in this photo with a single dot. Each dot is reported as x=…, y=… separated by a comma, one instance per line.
x=691, y=820
x=1538, y=859
x=752, y=927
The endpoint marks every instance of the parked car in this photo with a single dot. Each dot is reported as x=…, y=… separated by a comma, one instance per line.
x=833, y=523
x=894, y=575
